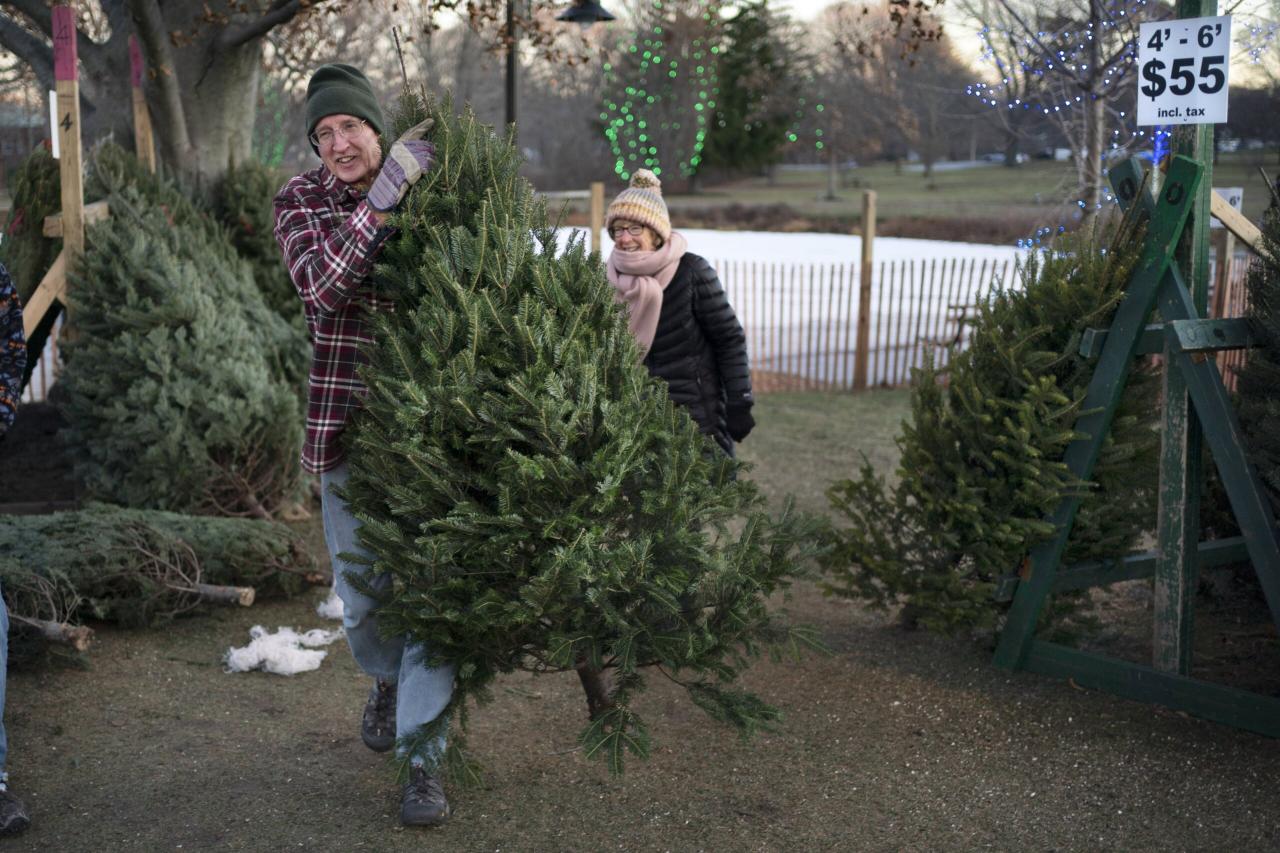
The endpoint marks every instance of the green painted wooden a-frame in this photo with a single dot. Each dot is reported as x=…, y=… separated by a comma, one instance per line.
x=1187, y=342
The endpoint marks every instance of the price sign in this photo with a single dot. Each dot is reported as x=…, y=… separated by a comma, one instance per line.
x=1184, y=71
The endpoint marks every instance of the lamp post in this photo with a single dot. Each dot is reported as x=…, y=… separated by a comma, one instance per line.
x=584, y=13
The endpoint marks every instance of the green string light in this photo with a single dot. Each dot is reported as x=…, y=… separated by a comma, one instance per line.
x=656, y=85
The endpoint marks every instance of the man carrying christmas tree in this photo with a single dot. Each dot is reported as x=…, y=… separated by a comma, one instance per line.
x=13, y=362
x=329, y=224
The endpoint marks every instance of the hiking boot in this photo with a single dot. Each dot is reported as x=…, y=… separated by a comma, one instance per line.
x=423, y=802
x=13, y=814
x=378, y=725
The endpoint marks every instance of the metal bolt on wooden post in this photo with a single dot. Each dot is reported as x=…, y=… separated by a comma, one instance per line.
x=595, y=217
x=144, y=142
x=862, y=350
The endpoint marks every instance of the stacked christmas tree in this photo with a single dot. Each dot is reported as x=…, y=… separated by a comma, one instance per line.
x=534, y=495
x=137, y=567
x=177, y=391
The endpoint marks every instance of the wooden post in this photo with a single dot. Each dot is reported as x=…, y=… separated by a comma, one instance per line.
x=142, y=137
x=595, y=216
x=1226, y=246
x=862, y=349
x=68, y=95
x=1178, y=518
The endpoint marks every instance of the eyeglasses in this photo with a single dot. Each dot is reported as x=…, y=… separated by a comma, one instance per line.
x=634, y=230
x=325, y=137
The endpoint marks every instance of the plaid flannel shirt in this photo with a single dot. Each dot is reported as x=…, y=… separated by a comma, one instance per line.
x=329, y=237
x=13, y=351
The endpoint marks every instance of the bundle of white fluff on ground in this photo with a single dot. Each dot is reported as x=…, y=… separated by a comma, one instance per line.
x=331, y=607
x=286, y=652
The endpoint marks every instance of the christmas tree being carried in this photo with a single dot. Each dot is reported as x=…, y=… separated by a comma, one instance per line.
x=535, y=498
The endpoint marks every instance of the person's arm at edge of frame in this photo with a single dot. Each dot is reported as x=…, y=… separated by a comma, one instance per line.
x=13, y=351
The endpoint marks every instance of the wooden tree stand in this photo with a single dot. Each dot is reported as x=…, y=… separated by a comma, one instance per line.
x=1187, y=343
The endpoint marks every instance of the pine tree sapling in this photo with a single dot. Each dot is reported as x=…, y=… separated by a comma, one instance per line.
x=172, y=401
x=532, y=493
x=981, y=466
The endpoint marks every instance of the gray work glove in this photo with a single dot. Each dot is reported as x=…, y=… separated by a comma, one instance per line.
x=408, y=160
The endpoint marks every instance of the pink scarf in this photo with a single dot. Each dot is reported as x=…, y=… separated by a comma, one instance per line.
x=638, y=279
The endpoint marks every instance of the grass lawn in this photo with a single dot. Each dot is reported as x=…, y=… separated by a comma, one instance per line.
x=807, y=440
x=980, y=191
x=1036, y=192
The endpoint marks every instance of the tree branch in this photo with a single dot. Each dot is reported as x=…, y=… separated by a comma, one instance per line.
x=38, y=13
x=281, y=12
x=29, y=48
x=149, y=22
x=117, y=14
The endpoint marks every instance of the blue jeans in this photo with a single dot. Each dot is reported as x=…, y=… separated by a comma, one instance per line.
x=423, y=691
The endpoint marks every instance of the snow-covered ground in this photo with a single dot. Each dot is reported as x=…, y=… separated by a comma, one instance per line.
x=821, y=248
x=797, y=297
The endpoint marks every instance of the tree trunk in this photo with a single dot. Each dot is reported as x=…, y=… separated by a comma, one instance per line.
x=833, y=174
x=1011, y=150
x=1095, y=119
x=1095, y=127
x=596, y=686
x=220, y=104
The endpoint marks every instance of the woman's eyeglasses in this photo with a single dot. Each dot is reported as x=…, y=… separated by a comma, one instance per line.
x=325, y=137
x=634, y=230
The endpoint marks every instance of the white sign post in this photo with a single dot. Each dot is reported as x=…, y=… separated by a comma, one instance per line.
x=53, y=121
x=1183, y=65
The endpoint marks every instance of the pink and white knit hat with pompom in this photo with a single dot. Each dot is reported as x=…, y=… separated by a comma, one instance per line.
x=642, y=203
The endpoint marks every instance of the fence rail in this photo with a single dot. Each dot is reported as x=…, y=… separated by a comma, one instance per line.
x=801, y=319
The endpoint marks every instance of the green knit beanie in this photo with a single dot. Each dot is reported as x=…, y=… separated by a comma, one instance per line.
x=343, y=89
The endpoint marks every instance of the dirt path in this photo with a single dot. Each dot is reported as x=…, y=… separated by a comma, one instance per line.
x=897, y=741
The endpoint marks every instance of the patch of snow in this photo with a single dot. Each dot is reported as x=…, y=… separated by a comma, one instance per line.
x=286, y=652
x=815, y=248
x=331, y=607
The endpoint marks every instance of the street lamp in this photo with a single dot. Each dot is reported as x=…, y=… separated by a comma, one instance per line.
x=584, y=13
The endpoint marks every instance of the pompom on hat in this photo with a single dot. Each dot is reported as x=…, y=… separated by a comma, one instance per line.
x=641, y=203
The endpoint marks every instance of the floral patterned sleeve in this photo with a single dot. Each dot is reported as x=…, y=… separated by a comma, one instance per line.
x=13, y=351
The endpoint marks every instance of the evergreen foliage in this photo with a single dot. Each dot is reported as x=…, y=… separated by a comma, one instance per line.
x=981, y=466
x=758, y=91
x=138, y=567
x=243, y=203
x=36, y=193
x=533, y=494
x=1258, y=386
x=113, y=170
x=172, y=398
x=660, y=93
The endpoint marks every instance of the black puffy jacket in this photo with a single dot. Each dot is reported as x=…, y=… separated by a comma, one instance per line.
x=700, y=350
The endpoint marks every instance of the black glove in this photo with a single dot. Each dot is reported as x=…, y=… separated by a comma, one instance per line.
x=738, y=418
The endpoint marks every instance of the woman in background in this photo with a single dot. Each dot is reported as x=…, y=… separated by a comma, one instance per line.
x=679, y=313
